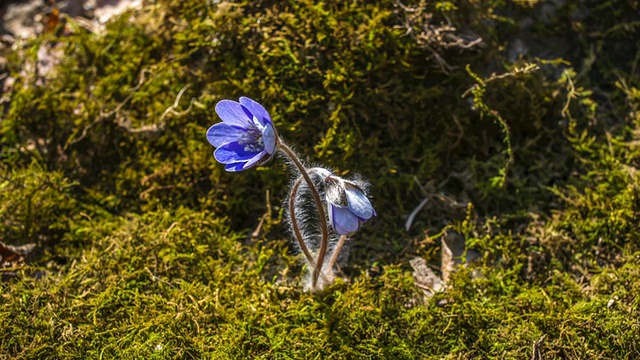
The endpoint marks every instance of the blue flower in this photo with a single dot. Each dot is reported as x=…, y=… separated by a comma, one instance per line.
x=245, y=137
x=347, y=205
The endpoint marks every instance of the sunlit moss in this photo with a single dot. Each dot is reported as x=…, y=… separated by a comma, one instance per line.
x=519, y=121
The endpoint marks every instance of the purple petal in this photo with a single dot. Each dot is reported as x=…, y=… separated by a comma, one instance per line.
x=254, y=160
x=234, y=114
x=269, y=138
x=343, y=220
x=257, y=110
x=232, y=153
x=221, y=133
x=359, y=204
x=234, y=167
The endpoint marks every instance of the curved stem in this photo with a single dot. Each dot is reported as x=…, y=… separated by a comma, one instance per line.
x=336, y=251
x=321, y=214
x=296, y=228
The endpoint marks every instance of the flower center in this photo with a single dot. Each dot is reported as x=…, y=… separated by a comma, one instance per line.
x=252, y=139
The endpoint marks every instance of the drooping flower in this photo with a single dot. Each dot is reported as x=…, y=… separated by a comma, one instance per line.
x=347, y=204
x=246, y=136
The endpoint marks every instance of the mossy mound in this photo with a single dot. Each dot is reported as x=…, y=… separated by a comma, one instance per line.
x=518, y=121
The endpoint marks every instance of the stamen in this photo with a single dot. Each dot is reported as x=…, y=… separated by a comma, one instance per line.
x=252, y=139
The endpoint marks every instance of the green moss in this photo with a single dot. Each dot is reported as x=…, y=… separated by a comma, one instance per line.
x=525, y=143
x=37, y=206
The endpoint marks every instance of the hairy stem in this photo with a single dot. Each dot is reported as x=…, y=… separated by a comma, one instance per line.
x=296, y=228
x=336, y=251
x=321, y=214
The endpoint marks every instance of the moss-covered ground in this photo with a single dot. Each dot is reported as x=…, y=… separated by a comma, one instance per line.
x=518, y=120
